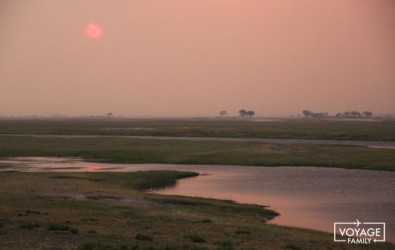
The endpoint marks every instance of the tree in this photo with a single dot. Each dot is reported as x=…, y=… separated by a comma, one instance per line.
x=356, y=114
x=352, y=114
x=223, y=112
x=367, y=114
x=242, y=112
x=320, y=115
x=347, y=114
x=307, y=113
x=109, y=114
x=250, y=113
x=338, y=115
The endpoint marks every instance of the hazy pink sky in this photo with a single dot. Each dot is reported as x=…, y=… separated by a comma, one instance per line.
x=196, y=57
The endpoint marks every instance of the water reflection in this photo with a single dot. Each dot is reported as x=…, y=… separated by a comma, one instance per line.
x=93, y=167
x=304, y=196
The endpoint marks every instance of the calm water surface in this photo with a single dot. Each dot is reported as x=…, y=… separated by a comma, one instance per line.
x=308, y=197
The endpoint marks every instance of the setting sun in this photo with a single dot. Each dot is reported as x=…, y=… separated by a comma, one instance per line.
x=93, y=30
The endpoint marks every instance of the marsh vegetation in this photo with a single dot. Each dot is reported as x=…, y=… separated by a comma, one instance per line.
x=110, y=210
x=128, y=150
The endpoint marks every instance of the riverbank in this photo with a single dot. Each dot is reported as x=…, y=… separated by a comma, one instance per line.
x=131, y=150
x=300, y=202
x=108, y=211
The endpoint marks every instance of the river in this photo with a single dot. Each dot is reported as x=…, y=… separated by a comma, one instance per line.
x=308, y=197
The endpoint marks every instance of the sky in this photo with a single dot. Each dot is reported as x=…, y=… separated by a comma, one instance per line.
x=196, y=57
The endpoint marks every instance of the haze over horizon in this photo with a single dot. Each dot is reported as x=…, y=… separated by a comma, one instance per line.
x=190, y=58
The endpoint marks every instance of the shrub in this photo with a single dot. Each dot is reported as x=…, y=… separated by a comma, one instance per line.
x=207, y=220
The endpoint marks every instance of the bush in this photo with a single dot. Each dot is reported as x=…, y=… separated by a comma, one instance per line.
x=207, y=221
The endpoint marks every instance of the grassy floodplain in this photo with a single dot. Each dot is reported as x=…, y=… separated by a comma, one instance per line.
x=335, y=129
x=127, y=150
x=109, y=211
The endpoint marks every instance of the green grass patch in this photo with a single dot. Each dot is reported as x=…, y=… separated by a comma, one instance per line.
x=107, y=246
x=226, y=244
x=223, y=207
x=142, y=179
x=91, y=219
x=29, y=211
x=127, y=150
x=242, y=231
x=30, y=225
x=195, y=238
x=62, y=227
x=143, y=237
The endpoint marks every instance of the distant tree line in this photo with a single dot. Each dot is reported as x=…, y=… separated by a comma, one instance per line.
x=347, y=114
x=242, y=112
x=355, y=114
x=308, y=113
